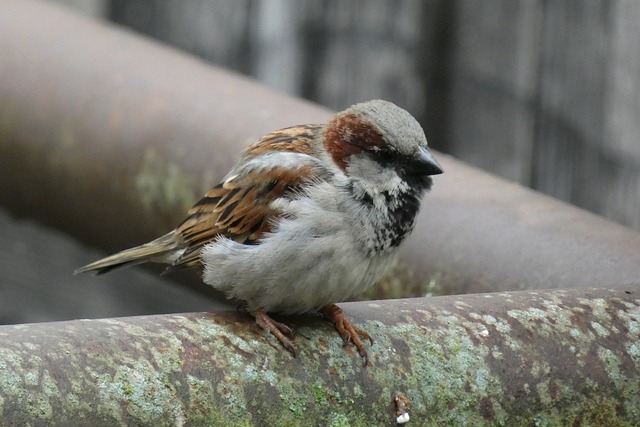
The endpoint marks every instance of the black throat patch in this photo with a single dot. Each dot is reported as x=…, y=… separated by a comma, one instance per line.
x=396, y=222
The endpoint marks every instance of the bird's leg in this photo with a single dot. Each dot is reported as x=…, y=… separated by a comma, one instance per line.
x=280, y=330
x=348, y=332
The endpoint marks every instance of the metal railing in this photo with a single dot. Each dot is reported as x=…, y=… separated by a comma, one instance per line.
x=550, y=357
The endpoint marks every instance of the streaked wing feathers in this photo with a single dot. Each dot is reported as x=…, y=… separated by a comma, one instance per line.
x=239, y=208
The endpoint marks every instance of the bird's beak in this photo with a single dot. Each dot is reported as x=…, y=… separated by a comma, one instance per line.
x=423, y=163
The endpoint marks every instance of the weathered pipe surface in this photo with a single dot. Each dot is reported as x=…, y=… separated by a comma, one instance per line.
x=546, y=358
x=112, y=137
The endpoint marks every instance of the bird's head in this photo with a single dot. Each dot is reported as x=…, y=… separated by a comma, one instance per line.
x=381, y=147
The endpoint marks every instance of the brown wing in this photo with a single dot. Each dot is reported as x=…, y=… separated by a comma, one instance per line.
x=240, y=207
x=295, y=139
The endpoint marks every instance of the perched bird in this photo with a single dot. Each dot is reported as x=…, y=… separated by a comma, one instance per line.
x=311, y=215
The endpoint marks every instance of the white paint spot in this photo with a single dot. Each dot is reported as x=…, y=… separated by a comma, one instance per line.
x=402, y=419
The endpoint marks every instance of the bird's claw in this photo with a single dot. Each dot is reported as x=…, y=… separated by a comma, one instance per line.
x=348, y=332
x=282, y=332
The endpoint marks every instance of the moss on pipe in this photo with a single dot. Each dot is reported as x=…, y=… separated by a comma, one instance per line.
x=522, y=358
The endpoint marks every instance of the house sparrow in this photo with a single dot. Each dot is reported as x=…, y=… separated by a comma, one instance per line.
x=311, y=215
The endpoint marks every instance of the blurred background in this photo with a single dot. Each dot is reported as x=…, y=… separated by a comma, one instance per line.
x=543, y=93
x=546, y=94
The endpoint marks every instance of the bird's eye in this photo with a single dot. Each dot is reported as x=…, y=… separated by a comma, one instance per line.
x=385, y=155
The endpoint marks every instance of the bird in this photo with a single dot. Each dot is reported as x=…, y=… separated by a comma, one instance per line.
x=311, y=215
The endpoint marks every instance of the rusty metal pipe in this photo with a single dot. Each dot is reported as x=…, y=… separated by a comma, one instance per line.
x=523, y=358
x=111, y=137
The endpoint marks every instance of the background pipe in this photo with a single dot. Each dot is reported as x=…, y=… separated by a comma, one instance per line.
x=518, y=359
x=111, y=137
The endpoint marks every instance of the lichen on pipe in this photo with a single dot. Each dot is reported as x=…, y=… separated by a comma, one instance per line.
x=116, y=136
x=546, y=358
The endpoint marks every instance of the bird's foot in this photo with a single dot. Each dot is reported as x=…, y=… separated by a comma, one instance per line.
x=280, y=330
x=347, y=331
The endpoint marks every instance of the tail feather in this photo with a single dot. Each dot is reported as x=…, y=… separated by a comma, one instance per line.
x=164, y=249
